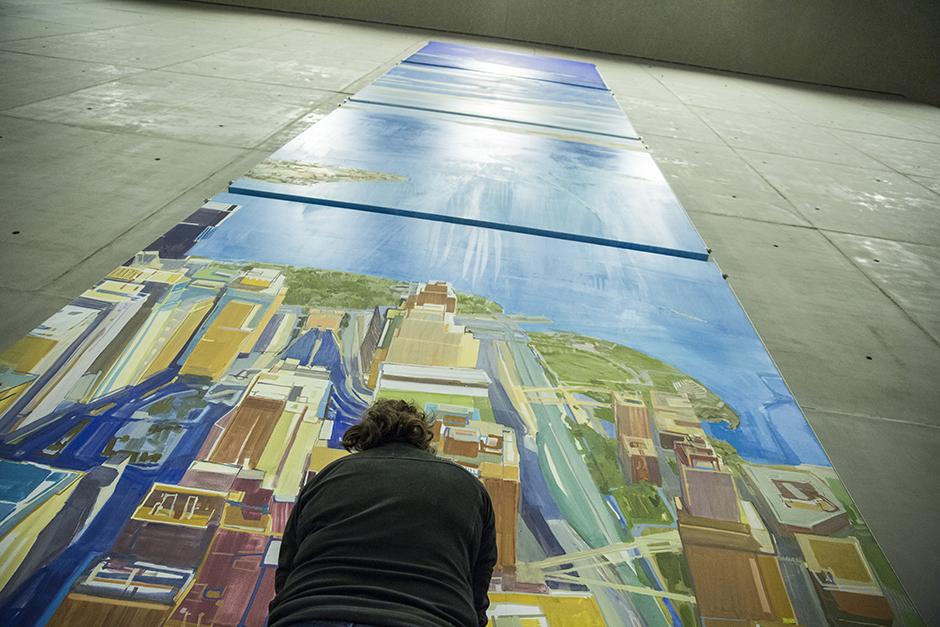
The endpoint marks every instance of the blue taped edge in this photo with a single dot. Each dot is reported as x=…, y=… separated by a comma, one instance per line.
x=531, y=78
x=235, y=188
x=493, y=118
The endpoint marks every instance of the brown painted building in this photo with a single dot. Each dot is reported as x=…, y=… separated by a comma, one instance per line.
x=488, y=451
x=635, y=446
x=739, y=586
x=433, y=293
x=152, y=563
x=844, y=580
x=696, y=452
x=639, y=460
x=631, y=415
x=247, y=431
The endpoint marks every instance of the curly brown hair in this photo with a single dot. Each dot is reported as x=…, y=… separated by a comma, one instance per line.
x=389, y=420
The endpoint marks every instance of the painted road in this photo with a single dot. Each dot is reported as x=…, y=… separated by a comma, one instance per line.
x=568, y=480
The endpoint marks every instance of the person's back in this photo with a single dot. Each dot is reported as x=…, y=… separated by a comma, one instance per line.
x=392, y=535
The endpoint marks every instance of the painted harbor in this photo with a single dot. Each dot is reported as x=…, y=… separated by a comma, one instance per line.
x=646, y=462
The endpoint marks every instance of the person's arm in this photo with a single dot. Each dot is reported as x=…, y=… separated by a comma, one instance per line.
x=486, y=560
x=285, y=559
x=290, y=541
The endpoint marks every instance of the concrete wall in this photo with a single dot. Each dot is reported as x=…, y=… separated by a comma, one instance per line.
x=881, y=45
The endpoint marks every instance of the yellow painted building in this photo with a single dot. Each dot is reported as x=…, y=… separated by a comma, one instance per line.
x=179, y=338
x=16, y=543
x=22, y=358
x=232, y=332
x=323, y=455
x=428, y=336
x=180, y=505
x=285, y=458
x=561, y=609
x=325, y=319
x=26, y=353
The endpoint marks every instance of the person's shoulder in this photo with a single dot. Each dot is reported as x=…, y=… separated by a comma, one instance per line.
x=448, y=467
x=336, y=463
x=458, y=472
x=326, y=471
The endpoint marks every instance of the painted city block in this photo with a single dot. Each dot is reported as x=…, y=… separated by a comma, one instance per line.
x=503, y=63
x=647, y=464
x=542, y=103
x=515, y=177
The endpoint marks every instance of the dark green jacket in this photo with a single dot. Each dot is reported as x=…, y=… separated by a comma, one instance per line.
x=389, y=536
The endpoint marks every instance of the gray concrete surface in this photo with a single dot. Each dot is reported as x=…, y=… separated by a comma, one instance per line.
x=823, y=205
x=889, y=47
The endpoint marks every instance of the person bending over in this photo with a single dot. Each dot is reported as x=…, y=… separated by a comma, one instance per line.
x=391, y=535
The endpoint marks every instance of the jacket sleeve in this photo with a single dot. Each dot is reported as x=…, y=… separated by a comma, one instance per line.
x=486, y=560
x=290, y=540
x=285, y=559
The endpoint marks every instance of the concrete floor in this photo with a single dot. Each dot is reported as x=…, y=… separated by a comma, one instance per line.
x=118, y=118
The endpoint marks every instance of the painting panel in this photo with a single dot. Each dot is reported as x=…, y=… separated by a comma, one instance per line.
x=514, y=177
x=514, y=99
x=504, y=63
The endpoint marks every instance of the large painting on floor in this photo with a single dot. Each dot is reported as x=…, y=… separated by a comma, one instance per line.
x=647, y=463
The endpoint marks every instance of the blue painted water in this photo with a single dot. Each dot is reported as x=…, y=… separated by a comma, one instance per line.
x=84, y=452
x=346, y=406
x=301, y=349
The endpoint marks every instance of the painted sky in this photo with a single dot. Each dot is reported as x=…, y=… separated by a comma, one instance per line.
x=480, y=172
x=542, y=103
